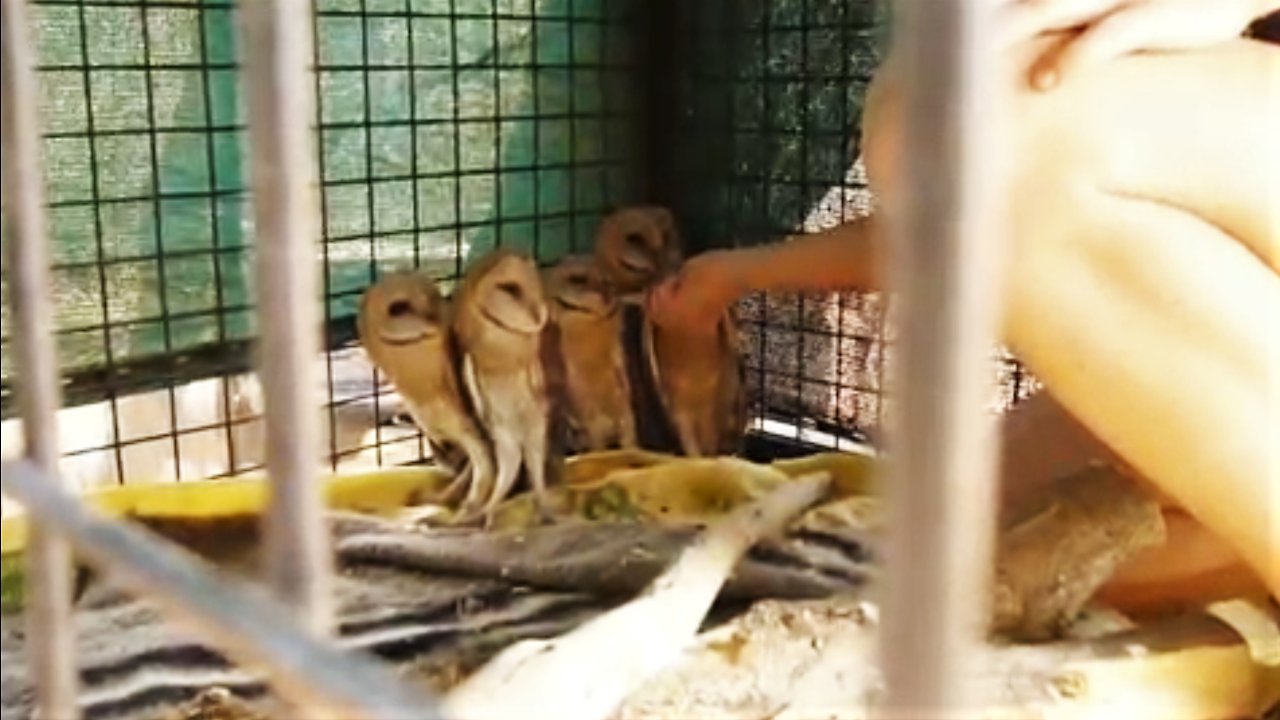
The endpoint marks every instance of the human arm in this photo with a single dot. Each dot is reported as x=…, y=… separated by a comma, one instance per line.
x=845, y=257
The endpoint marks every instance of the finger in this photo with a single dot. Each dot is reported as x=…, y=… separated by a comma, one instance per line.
x=1025, y=19
x=1120, y=33
x=670, y=290
x=658, y=300
x=652, y=302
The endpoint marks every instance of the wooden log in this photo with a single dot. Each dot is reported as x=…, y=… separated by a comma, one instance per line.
x=1049, y=565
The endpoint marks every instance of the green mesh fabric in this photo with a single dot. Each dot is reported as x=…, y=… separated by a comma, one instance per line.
x=445, y=127
x=770, y=98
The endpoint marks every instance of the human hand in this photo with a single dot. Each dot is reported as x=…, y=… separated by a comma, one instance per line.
x=1112, y=28
x=699, y=294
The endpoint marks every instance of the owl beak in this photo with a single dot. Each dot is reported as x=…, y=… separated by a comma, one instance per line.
x=637, y=261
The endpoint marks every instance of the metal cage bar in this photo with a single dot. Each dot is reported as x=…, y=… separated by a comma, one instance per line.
x=281, y=102
x=36, y=362
x=236, y=617
x=945, y=269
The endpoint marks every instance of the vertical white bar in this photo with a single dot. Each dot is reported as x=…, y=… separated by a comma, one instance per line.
x=281, y=101
x=946, y=269
x=48, y=601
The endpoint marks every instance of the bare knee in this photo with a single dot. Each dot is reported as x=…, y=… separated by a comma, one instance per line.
x=1192, y=568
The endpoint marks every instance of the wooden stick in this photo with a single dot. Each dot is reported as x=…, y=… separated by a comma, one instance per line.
x=587, y=673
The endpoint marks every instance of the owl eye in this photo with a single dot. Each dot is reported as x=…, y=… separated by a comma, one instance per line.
x=637, y=240
x=400, y=308
x=579, y=279
x=512, y=289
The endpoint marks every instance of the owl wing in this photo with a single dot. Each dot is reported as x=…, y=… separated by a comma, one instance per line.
x=555, y=385
x=733, y=397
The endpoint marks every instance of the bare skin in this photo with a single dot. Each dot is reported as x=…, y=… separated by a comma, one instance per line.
x=1141, y=293
x=1144, y=290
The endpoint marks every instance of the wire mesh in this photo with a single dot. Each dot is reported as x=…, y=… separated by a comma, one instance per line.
x=445, y=127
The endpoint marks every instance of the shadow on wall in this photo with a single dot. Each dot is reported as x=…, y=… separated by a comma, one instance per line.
x=769, y=97
x=765, y=144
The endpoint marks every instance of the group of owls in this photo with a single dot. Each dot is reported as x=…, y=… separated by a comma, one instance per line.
x=521, y=365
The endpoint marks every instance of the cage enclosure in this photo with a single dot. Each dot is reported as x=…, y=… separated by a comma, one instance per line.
x=443, y=130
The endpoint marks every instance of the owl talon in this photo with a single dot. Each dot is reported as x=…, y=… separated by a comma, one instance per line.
x=452, y=492
x=470, y=516
x=489, y=521
x=542, y=513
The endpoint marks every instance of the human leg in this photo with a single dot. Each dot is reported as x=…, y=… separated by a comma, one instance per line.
x=1158, y=331
x=1151, y=312
x=1042, y=442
